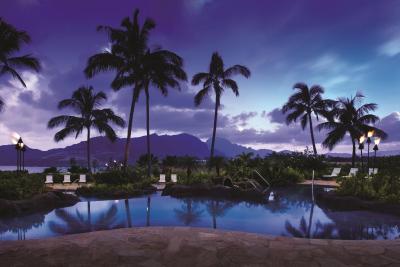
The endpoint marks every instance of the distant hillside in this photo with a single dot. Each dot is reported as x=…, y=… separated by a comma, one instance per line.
x=104, y=150
x=228, y=149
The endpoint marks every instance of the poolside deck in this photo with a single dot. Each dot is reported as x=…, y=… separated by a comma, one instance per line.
x=332, y=183
x=67, y=187
x=184, y=246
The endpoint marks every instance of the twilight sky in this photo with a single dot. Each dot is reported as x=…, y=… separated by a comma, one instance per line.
x=344, y=45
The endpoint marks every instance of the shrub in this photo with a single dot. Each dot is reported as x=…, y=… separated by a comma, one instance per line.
x=120, y=190
x=50, y=170
x=114, y=177
x=16, y=186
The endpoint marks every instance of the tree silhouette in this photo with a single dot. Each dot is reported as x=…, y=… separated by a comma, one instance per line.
x=350, y=117
x=11, y=41
x=218, y=208
x=218, y=79
x=86, y=103
x=302, y=104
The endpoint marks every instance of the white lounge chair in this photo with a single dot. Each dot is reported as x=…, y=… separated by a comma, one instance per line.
x=67, y=178
x=82, y=178
x=174, y=178
x=353, y=172
x=372, y=172
x=334, y=174
x=49, y=179
x=162, y=178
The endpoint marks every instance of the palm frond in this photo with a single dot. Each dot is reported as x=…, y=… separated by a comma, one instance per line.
x=237, y=69
x=200, y=77
x=231, y=84
x=199, y=97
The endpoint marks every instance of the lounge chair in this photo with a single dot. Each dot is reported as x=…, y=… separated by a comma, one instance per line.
x=372, y=172
x=49, y=179
x=174, y=178
x=162, y=178
x=67, y=178
x=334, y=174
x=82, y=178
x=353, y=172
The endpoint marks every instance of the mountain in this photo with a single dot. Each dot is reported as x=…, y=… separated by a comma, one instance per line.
x=103, y=150
x=224, y=147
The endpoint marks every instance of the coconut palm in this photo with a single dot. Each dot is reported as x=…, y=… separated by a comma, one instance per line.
x=161, y=69
x=129, y=44
x=302, y=104
x=218, y=79
x=350, y=117
x=11, y=41
x=86, y=104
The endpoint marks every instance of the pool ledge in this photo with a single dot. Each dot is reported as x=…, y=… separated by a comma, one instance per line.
x=186, y=246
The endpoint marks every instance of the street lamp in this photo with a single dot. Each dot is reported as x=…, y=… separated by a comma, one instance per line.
x=376, y=141
x=369, y=135
x=20, y=147
x=361, y=147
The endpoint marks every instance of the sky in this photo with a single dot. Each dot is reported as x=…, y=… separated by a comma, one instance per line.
x=344, y=45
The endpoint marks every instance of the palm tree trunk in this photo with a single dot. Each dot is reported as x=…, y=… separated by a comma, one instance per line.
x=312, y=134
x=353, y=156
x=88, y=149
x=215, y=128
x=148, y=132
x=128, y=138
x=128, y=213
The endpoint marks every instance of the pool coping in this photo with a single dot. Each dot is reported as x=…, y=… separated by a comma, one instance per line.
x=187, y=246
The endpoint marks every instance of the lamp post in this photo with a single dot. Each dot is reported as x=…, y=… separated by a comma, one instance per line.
x=376, y=141
x=369, y=135
x=361, y=147
x=20, y=150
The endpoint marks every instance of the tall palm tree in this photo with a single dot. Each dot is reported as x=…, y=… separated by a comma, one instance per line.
x=218, y=79
x=302, y=104
x=86, y=103
x=11, y=41
x=129, y=44
x=160, y=69
x=350, y=117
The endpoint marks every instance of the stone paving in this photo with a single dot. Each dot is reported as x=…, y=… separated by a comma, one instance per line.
x=180, y=246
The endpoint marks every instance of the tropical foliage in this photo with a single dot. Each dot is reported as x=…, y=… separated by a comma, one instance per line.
x=217, y=79
x=11, y=41
x=86, y=104
x=349, y=116
x=16, y=186
x=303, y=104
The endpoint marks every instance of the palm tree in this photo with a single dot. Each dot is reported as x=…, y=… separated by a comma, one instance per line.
x=189, y=212
x=350, y=117
x=217, y=78
x=128, y=46
x=86, y=103
x=161, y=69
x=302, y=104
x=11, y=41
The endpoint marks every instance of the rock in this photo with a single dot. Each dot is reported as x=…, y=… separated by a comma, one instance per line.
x=216, y=191
x=38, y=203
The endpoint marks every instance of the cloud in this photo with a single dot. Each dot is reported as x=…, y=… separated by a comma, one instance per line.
x=275, y=116
x=391, y=125
x=391, y=48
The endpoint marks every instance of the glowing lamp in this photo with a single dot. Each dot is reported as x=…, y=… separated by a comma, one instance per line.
x=377, y=141
x=370, y=134
x=362, y=139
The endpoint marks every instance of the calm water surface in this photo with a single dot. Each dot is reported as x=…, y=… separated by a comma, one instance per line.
x=291, y=214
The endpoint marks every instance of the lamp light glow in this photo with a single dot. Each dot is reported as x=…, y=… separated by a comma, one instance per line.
x=377, y=141
x=362, y=139
x=14, y=138
x=370, y=134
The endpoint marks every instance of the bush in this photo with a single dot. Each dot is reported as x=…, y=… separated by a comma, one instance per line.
x=120, y=190
x=16, y=186
x=196, y=178
x=50, y=170
x=383, y=187
x=114, y=177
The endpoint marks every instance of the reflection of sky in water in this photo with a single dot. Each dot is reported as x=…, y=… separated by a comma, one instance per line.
x=290, y=215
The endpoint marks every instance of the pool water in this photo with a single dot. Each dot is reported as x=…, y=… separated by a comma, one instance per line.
x=292, y=213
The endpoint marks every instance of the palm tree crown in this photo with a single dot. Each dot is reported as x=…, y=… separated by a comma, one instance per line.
x=11, y=41
x=218, y=79
x=129, y=44
x=350, y=117
x=86, y=104
x=302, y=104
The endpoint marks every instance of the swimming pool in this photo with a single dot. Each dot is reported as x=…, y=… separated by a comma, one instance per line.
x=292, y=213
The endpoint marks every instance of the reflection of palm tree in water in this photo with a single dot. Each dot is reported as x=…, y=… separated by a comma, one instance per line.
x=189, y=212
x=21, y=225
x=78, y=224
x=303, y=231
x=148, y=211
x=217, y=208
x=128, y=213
